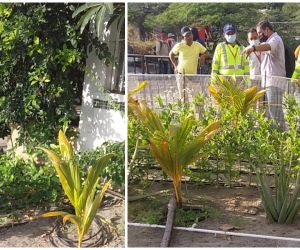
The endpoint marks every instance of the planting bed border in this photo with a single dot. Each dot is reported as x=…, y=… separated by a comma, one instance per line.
x=215, y=232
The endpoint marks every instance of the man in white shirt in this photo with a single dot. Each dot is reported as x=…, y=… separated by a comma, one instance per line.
x=272, y=68
x=254, y=57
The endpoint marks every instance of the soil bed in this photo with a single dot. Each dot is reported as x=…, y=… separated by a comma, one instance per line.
x=233, y=209
x=35, y=233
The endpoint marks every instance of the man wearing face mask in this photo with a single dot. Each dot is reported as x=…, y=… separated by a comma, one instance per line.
x=254, y=57
x=272, y=68
x=228, y=57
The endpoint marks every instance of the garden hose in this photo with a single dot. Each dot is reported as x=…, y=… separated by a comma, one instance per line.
x=103, y=235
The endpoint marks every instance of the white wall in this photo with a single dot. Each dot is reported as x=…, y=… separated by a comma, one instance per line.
x=98, y=125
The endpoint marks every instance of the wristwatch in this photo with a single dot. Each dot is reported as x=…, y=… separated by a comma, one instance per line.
x=253, y=46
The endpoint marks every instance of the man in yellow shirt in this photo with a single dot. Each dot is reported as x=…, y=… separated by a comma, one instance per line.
x=188, y=52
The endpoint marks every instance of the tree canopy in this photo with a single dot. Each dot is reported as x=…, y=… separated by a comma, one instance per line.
x=172, y=16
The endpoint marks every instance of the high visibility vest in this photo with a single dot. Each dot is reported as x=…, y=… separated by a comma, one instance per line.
x=230, y=60
x=296, y=74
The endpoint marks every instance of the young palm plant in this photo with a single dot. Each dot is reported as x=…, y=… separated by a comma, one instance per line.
x=229, y=95
x=82, y=195
x=174, y=148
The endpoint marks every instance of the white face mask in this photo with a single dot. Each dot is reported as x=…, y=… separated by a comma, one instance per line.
x=230, y=38
x=254, y=42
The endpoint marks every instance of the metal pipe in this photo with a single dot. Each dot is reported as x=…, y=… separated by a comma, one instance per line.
x=218, y=232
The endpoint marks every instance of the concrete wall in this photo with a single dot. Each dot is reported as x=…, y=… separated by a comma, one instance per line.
x=100, y=124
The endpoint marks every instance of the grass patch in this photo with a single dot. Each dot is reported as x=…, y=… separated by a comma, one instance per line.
x=237, y=221
x=151, y=210
x=186, y=218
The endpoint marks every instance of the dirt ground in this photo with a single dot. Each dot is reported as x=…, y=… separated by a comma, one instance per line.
x=238, y=208
x=33, y=234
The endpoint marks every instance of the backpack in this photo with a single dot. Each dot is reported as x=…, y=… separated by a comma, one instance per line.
x=289, y=60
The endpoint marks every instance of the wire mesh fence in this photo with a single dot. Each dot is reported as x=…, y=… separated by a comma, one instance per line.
x=172, y=87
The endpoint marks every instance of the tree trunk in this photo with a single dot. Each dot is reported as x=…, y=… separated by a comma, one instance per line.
x=170, y=221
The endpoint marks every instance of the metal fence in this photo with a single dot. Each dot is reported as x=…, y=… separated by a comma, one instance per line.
x=150, y=64
x=166, y=86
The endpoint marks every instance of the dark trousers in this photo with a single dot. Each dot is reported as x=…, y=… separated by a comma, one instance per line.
x=163, y=67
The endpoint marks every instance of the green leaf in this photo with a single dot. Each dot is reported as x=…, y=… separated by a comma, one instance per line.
x=99, y=21
x=36, y=40
x=85, y=7
x=84, y=20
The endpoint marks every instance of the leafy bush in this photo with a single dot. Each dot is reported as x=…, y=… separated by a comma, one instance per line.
x=42, y=68
x=23, y=184
x=115, y=169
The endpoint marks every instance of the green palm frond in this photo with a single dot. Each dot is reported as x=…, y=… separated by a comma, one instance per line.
x=98, y=14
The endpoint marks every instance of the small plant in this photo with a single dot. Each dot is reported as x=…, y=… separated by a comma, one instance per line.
x=284, y=205
x=231, y=96
x=82, y=195
x=174, y=147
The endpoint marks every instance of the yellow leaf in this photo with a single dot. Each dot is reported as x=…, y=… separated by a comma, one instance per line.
x=138, y=88
x=54, y=213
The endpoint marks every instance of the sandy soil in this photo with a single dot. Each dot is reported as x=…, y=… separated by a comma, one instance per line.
x=33, y=234
x=238, y=207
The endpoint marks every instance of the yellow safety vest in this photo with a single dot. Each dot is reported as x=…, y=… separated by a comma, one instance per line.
x=230, y=60
x=296, y=74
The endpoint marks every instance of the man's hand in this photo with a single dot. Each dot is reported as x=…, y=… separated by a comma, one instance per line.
x=248, y=50
x=202, y=59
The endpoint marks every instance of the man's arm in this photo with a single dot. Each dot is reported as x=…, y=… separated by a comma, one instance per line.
x=203, y=57
x=173, y=60
x=262, y=47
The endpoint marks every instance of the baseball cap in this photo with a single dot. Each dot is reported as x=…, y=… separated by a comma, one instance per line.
x=229, y=28
x=184, y=30
x=171, y=35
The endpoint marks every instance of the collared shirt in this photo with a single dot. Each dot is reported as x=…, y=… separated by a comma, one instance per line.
x=273, y=61
x=254, y=63
x=188, y=56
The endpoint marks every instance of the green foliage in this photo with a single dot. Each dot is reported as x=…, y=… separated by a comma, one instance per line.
x=42, y=68
x=283, y=205
x=151, y=211
x=218, y=14
x=115, y=169
x=97, y=12
x=172, y=16
x=188, y=217
x=24, y=184
x=100, y=16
